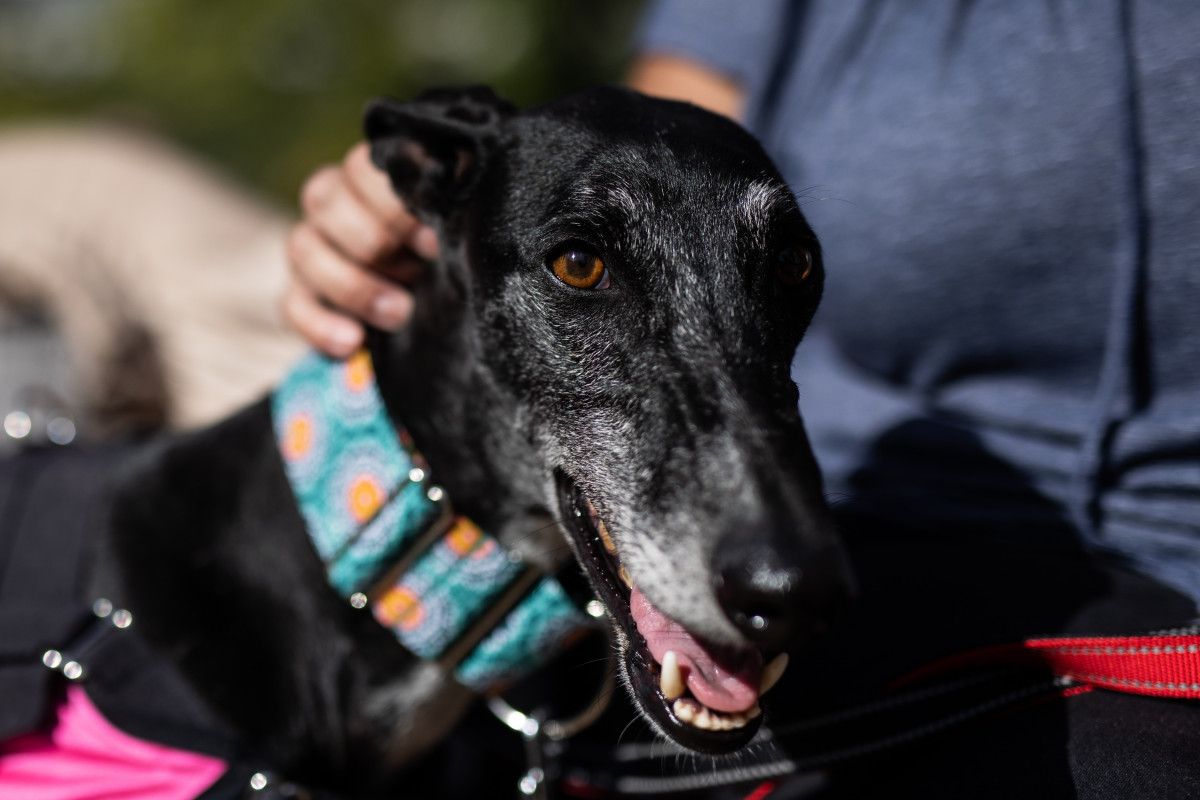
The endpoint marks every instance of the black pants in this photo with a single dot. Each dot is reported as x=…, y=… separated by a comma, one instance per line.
x=926, y=596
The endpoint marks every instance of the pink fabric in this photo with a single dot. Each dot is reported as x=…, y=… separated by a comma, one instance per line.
x=85, y=758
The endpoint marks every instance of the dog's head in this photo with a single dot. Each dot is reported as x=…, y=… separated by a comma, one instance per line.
x=608, y=337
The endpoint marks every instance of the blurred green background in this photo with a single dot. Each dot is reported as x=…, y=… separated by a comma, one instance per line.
x=269, y=89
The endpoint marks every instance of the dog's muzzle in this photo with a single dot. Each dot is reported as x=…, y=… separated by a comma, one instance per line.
x=702, y=695
x=777, y=589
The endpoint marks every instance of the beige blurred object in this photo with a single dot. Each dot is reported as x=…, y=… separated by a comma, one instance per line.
x=163, y=278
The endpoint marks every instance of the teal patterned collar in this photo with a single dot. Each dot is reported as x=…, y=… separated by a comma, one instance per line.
x=390, y=542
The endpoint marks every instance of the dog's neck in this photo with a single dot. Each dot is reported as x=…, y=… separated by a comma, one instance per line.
x=426, y=381
x=435, y=377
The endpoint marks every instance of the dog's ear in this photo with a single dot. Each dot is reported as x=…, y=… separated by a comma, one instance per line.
x=434, y=147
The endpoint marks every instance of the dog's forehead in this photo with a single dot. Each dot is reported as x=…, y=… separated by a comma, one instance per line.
x=613, y=113
x=624, y=156
x=711, y=212
x=627, y=129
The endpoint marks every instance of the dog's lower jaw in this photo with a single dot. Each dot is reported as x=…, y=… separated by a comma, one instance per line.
x=639, y=669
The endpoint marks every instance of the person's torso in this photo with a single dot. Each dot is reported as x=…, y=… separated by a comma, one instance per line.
x=1007, y=195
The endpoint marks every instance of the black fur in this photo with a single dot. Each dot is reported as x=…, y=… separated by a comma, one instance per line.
x=665, y=399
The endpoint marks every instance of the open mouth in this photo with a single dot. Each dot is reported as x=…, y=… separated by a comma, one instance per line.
x=703, y=696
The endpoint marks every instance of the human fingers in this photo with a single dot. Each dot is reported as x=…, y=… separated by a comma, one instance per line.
x=332, y=333
x=335, y=210
x=332, y=277
x=374, y=190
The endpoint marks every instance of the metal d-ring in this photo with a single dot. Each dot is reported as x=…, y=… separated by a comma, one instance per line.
x=529, y=726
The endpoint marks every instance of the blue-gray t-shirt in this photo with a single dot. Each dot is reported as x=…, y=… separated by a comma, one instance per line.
x=1008, y=196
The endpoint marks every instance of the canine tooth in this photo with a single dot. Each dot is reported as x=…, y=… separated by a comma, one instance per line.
x=754, y=712
x=671, y=679
x=624, y=573
x=772, y=673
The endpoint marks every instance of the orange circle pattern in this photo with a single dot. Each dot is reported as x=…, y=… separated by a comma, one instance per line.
x=365, y=497
x=359, y=372
x=400, y=608
x=297, y=437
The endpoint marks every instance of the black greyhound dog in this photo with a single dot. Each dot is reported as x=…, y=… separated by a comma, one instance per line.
x=605, y=340
x=624, y=283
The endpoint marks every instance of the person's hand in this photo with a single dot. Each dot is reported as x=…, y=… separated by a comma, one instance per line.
x=355, y=247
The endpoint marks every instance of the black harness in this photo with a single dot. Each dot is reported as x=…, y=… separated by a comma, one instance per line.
x=51, y=501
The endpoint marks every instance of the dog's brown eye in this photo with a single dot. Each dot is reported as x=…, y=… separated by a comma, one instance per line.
x=793, y=265
x=581, y=269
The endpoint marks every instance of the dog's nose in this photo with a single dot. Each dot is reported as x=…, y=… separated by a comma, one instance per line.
x=774, y=589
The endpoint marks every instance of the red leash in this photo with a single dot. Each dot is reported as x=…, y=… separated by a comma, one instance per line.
x=762, y=790
x=1162, y=665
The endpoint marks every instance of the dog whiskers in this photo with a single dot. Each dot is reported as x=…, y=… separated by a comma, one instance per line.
x=628, y=725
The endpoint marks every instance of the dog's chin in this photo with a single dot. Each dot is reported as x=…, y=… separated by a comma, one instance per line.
x=682, y=719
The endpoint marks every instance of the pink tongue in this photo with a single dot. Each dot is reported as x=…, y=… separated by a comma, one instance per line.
x=722, y=678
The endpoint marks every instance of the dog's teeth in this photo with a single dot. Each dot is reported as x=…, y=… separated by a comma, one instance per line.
x=671, y=679
x=601, y=528
x=605, y=537
x=772, y=673
x=684, y=710
x=624, y=573
x=703, y=717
